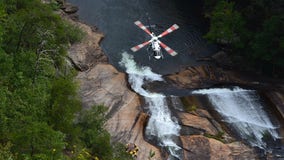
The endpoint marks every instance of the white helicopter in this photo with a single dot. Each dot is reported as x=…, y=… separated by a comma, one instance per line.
x=155, y=42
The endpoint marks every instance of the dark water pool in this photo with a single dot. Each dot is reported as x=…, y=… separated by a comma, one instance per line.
x=115, y=18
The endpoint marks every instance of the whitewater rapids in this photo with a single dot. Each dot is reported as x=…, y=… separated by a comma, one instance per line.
x=161, y=125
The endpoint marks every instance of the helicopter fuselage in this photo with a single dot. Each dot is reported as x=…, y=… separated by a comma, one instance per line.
x=156, y=46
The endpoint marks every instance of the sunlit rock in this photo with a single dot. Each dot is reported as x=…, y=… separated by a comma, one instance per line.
x=104, y=85
x=203, y=148
x=101, y=84
x=87, y=53
x=201, y=123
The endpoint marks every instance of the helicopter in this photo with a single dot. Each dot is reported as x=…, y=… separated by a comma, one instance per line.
x=154, y=42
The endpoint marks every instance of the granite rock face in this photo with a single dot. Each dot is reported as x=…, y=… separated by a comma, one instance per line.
x=101, y=84
x=87, y=53
x=203, y=76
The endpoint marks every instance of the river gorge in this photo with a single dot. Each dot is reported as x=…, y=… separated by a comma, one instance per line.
x=179, y=108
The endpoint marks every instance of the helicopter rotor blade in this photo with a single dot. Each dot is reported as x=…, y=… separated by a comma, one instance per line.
x=168, y=49
x=136, y=48
x=169, y=30
x=142, y=26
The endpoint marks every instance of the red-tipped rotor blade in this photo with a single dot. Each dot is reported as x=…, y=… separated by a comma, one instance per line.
x=169, y=30
x=168, y=49
x=144, y=28
x=136, y=48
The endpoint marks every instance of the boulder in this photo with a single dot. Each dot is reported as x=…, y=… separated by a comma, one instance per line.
x=197, y=122
x=69, y=8
x=87, y=53
x=102, y=84
x=198, y=147
x=205, y=76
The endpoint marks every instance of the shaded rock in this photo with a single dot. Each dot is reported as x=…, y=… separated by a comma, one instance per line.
x=202, y=148
x=222, y=59
x=61, y=2
x=69, y=8
x=203, y=113
x=277, y=98
x=203, y=76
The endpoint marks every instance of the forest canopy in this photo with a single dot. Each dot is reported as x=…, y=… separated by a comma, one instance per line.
x=41, y=116
x=251, y=31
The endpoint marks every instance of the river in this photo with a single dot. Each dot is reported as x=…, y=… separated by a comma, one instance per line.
x=115, y=18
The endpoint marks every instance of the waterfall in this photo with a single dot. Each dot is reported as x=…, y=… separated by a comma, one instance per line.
x=243, y=110
x=160, y=124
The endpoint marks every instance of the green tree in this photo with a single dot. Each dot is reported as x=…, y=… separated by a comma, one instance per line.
x=32, y=51
x=64, y=104
x=119, y=152
x=5, y=152
x=93, y=134
x=2, y=20
x=38, y=96
x=38, y=138
x=96, y=138
x=226, y=24
x=271, y=41
x=251, y=32
x=268, y=45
